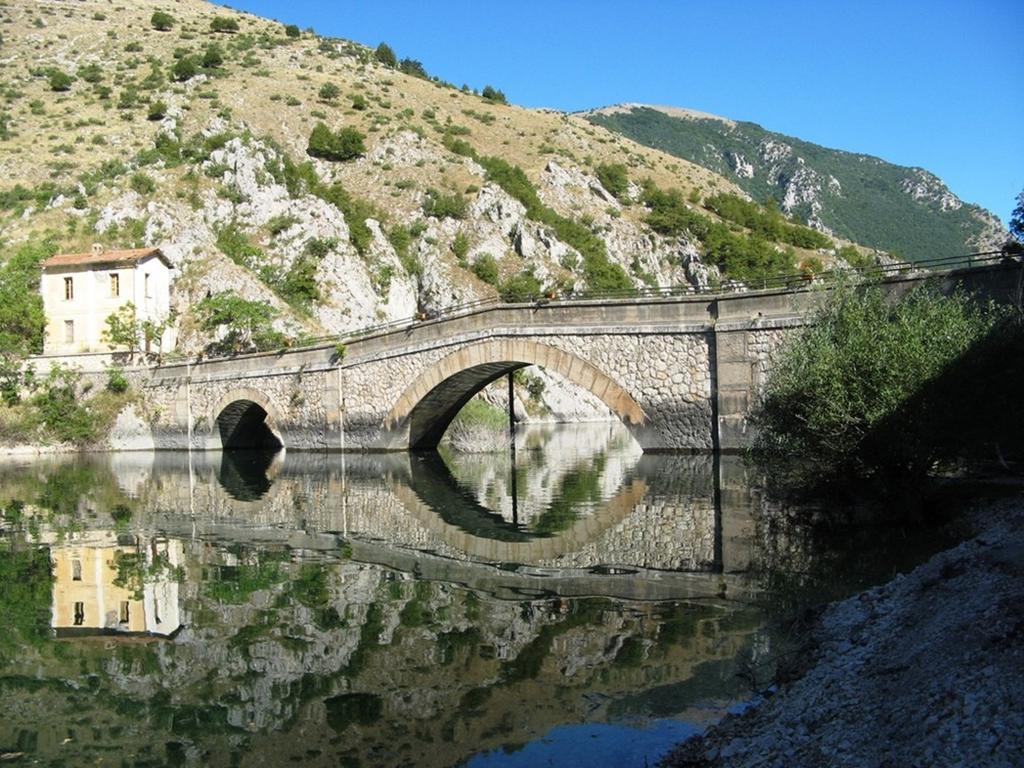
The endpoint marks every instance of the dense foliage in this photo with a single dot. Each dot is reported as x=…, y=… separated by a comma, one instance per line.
x=162, y=21
x=740, y=256
x=243, y=324
x=879, y=388
x=223, y=24
x=443, y=205
x=765, y=221
x=870, y=205
x=614, y=178
x=493, y=95
x=344, y=144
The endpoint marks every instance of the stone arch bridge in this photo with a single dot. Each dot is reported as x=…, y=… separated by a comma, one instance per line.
x=680, y=372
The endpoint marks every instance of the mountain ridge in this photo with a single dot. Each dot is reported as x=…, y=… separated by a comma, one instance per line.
x=821, y=186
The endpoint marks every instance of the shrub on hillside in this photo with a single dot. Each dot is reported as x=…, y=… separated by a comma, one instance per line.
x=157, y=111
x=486, y=268
x=184, y=69
x=292, y=30
x=213, y=57
x=143, y=184
x=614, y=178
x=521, y=287
x=90, y=73
x=223, y=24
x=441, y=206
x=329, y=92
x=60, y=81
x=345, y=144
x=161, y=21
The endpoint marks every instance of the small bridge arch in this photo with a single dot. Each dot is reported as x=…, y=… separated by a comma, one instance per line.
x=245, y=418
x=421, y=415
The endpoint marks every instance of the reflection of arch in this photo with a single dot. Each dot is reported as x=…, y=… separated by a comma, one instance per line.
x=245, y=418
x=433, y=482
x=582, y=532
x=247, y=475
x=428, y=406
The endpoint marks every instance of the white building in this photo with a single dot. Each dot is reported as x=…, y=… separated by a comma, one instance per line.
x=81, y=290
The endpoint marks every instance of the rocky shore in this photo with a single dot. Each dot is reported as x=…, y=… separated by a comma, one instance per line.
x=926, y=670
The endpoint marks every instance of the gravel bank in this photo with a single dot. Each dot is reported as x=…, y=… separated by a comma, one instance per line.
x=927, y=670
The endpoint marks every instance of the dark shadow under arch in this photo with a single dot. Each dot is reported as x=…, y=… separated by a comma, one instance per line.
x=243, y=425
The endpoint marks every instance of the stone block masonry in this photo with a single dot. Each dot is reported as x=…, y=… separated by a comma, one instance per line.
x=681, y=372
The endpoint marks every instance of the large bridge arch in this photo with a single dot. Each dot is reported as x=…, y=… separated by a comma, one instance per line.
x=423, y=412
x=244, y=418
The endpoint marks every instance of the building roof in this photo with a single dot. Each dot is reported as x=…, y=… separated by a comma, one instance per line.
x=98, y=257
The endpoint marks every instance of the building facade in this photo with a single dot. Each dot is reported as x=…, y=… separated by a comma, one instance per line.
x=81, y=290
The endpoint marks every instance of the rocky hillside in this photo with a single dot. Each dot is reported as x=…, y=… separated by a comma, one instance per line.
x=907, y=211
x=336, y=185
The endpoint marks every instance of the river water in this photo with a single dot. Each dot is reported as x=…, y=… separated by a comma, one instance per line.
x=589, y=605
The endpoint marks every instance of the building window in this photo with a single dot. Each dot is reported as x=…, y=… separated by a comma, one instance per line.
x=115, y=285
x=76, y=570
x=124, y=611
x=69, y=288
x=79, y=614
x=69, y=331
x=148, y=286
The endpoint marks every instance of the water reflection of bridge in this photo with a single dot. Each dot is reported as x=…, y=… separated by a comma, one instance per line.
x=666, y=528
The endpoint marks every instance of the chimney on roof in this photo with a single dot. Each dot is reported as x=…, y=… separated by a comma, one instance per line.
x=97, y=249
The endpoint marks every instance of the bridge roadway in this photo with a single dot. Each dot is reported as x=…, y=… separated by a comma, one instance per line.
x=681, y=372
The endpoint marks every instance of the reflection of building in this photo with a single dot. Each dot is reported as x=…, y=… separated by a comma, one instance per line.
x=80, y=290
x=102, y=586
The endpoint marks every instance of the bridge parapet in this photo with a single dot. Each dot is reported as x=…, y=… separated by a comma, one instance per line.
x=682, y=371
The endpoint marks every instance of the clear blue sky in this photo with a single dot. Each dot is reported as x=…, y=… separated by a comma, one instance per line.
x=936, y=84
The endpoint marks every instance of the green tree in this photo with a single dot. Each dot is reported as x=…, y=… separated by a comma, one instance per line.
x=292, y=30
x=521, y=287
x=161, y=21
x=223, y=24
x=385, y=55
x=414, y=68
x=122, y=331
x=329, y=92
x=22, y=321
x=245, y=324
x=1017, y=220
x=493, y=95
x=152, y=332
x=345, y=144
x=485, y=267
